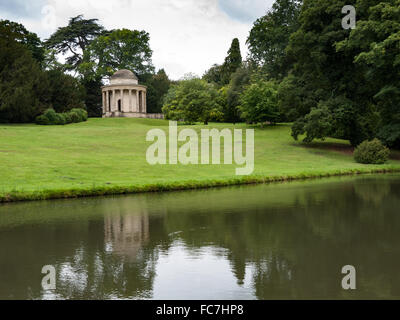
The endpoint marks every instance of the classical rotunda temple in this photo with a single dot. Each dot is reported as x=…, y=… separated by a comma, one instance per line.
x=125, y=97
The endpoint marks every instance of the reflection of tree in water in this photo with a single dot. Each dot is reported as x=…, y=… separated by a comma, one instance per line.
x=372, y=193
x=297, y=250
x=294, y=241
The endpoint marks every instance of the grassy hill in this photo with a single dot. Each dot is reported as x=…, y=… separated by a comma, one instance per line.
x=108, y=156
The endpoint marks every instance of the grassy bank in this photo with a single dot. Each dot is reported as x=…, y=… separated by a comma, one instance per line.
x=108, y=156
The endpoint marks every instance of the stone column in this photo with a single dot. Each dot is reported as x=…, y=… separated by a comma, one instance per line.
x=103, y=99
x=131, y=101
x=137, y=101
x=145, y=101
x=121, y=96
x=107, y=107
x=113, y=101
x=108, y=101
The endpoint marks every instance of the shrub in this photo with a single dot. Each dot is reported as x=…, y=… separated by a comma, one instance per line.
x=371, y=152
x=50, y=117
x=68, y=117
x=61, y=120
x=42, y=120
x=75, y=118
x=83, y=115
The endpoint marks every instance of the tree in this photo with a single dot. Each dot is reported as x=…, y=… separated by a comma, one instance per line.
x=119, y=49
x=346, y=76
x=240, y=79
x=214, y=75
x=375, y=44
x=74, y=39
x=29, y=39
x=22, y=83
x=64, y=92
x=232, y=62
x=270, y=35
x=192, y=101
x=157, y=86
x=259, y=103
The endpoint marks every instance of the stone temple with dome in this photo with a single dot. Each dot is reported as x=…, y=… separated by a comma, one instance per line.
x=124, y=97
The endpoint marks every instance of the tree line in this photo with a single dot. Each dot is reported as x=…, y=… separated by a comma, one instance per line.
x=305, y=68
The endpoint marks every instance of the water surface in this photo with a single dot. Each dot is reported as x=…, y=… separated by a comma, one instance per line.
x=277, y=241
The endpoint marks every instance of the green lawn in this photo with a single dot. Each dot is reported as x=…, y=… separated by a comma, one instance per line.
x=107, y=156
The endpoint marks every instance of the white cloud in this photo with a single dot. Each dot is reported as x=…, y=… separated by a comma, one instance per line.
x=186, y=35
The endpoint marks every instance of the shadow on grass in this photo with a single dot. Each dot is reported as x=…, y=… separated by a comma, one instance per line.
x=328, y=146
x=343, y=148
x=262, y=127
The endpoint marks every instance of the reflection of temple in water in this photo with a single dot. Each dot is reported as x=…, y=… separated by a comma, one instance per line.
x=125, y=234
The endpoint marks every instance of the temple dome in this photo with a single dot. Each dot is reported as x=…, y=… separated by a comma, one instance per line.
x=124, y=77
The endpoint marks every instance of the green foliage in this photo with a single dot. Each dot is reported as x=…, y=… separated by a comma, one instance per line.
x=352, y=72
x=51, y=117
x=28, y=39
x=232, y=62
x=64, y=92
x=192, y=101
x=240, y=79
x=317, y=124
x=93, y=98
x=214, y=75
x=23, y=85
x=371, y=152
x=116, y=50
x=259, y=103
x=74, y=39
x=157, y=86
x=269, y=37
x=220, y=75
x=82, y=114
x=25, y=89
x=390, y=135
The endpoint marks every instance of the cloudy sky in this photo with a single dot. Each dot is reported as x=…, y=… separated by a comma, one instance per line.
x=186, y=35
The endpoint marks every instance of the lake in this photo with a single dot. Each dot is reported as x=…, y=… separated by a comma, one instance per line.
x=275, y=241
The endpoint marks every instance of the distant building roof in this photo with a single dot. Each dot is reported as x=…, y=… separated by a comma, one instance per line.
x=124, y=77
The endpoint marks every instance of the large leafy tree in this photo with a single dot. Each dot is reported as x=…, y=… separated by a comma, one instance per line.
x=27, y=38
x=259, y=103
x=23, y=85
x=344, y=76
x=192, y=101
x=26, y=90
x=375, y=46
x=270, y=35
x=73, y=39
x=118, y=49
